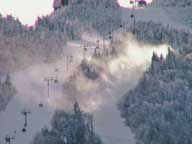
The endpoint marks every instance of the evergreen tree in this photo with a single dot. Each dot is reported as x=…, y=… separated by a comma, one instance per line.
x=68, y=128
x=158, y=110
x=8, y=80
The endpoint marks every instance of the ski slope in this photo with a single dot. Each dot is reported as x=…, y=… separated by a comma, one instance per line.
x=32, y=88
x=174, y=17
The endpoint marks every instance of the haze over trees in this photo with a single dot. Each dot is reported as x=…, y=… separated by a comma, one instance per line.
x=7, y=91
x=159, y=109
x=173, y=3
x=156, y=33
x=101, y=16
x=21, y=45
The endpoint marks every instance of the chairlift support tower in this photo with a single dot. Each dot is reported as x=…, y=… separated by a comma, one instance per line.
x=133, y=3
x=48, y=80
x=69, y=61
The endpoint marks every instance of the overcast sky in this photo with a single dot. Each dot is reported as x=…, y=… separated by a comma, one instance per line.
x=126, y=3
x=26, y=10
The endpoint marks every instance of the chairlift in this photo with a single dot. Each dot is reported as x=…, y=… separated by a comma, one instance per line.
x=134, y=19
x=40, y=105
x=132, y=15
x=56, y=81
x=24, y=130
x=25, y=114
x=56, y=77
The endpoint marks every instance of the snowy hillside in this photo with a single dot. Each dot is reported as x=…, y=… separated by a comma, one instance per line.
x=97, y=54
x=21, y=46
x=100, y=16
x=158, y=110
x=173, y=3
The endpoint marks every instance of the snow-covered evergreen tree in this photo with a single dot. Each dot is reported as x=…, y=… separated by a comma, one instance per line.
x=100, y=15
x=155, y=33
x=21, y=45
x=173, y=3
x=159, y=109
x=69, y=128
x=7, y=91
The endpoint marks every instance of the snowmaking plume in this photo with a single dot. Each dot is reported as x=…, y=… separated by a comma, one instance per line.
x=92, y=82
x=114, y=76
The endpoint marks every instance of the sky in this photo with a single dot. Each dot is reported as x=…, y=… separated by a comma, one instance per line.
x=126, y=3
x=26, y=10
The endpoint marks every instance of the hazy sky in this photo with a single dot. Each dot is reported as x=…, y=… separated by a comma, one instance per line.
x=126, y=3
x=26, y=10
